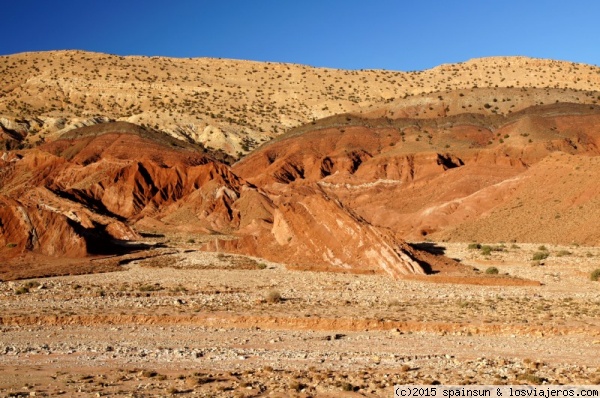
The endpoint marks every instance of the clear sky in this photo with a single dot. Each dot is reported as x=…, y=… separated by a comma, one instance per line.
x=350, y=34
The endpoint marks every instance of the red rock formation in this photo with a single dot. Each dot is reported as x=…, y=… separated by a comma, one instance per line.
x=78, y=196
x=342, y=196
x=310, y=229
x=421, y=177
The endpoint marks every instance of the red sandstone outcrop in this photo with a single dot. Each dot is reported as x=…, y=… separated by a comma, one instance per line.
x=80, y=196
x=341, y=192
x=310, y=229
x=422, y=177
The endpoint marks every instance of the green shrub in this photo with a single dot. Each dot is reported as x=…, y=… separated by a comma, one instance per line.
x=492, y=271
x=486, y=250
x=540, y=256
x=563, y=253
x=474, y=246
x=22, y=290
x=595, y=275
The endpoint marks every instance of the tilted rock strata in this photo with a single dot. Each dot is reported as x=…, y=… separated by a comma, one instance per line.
x=76, y=197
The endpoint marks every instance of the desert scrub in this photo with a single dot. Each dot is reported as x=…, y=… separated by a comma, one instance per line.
x=296, y=386
x=595, y=275
x=347, y=386
x=22, y=290
x=32, y=284
x=486, y=250
x=273, y=296
x=492, y=271
x=394, y=303
x=540, y=255
x=563, y=253
x=474, y=246
x=26, y=287
x=150, y=288
x=148, y=373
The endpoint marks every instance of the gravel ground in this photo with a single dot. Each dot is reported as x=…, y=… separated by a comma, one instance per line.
x=207, y=324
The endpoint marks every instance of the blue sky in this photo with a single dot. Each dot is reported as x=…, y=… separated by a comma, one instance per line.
x=350, y=34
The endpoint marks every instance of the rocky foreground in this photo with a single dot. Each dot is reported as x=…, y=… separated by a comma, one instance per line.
x=188, y=323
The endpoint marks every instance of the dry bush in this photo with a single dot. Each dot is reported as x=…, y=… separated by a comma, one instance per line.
x=274, y=296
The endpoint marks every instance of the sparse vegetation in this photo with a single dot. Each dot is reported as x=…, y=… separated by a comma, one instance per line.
x=347, y=386
x=541, y=255
x=148, y=373
x=32, y=284
x=150, y=288
x=273, y=296
x=595, y=275
x=486, y=250
x=22, y=290
x=296, y=386
x=492, y=271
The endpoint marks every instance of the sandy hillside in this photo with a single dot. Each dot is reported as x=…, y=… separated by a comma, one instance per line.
x=236, y=105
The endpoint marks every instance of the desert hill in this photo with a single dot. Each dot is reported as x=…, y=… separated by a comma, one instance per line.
x=234, y=106
x=90, y=194
x=526, y=176
x=340, y=167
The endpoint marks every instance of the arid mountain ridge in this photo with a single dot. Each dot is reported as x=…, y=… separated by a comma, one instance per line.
x=233, y=106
